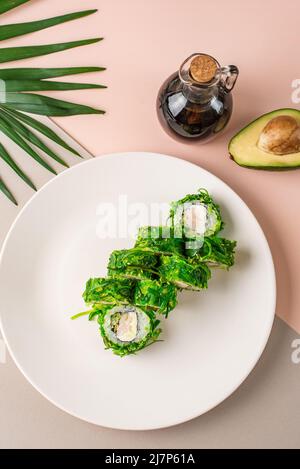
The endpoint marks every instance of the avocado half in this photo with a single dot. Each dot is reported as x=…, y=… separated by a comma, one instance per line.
x=244, y=151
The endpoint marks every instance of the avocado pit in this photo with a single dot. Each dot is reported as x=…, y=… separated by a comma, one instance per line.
x=281, y=136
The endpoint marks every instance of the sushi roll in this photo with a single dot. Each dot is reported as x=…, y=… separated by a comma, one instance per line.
x=216, y=252
x=108, y=291
x=158, y=296
x=133, y=263
x=143, y=282
x=126, y=329
x=182, y=273
x=196, y=216
x=160, y=240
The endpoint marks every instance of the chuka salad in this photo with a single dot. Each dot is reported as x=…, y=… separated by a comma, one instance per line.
x=142, y=283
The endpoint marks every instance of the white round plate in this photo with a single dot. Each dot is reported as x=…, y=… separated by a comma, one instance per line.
x=212, y=340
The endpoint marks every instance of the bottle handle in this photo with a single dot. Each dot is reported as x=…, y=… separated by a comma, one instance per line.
x=229, y=75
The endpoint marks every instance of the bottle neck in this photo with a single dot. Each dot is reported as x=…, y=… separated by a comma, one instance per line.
x=199, y=95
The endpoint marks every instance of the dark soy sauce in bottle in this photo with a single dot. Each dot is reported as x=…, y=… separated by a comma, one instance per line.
x=195, y=103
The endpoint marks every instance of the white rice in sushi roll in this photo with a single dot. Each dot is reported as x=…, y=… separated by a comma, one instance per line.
x=126, y=324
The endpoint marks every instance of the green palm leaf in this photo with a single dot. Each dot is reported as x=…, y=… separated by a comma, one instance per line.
x=7, y=5
x=43, y=105
x=32, y=138
x=42, y=128
x=15, y=137
x=9, y=54
x=14, y=123
x=44, y=73
x=38, y=85
x=8, y=159
x=13, y=30
x=6, y=191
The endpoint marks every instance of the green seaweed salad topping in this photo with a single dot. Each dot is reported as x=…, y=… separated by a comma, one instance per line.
x=143, y=282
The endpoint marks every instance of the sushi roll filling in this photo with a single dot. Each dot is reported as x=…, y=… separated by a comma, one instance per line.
x=198, y=219
x=125, y=324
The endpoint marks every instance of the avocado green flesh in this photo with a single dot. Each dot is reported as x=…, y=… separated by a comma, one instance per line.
x=243, y=146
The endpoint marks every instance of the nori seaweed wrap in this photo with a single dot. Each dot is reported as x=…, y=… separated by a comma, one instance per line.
x=154, y=295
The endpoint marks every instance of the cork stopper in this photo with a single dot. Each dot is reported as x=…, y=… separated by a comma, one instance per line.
x=203, y=68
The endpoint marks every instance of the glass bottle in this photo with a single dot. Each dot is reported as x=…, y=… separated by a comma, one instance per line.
x=195, y=103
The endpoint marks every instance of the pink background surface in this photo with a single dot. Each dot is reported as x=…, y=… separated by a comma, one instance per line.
x=145, y=41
